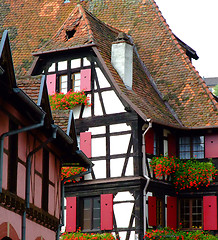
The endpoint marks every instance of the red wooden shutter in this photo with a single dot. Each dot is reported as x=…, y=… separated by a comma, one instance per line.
x=211, y=142
x=172, y=212
x=149, y=141
x=152, y=211
x=107, y=212
x=210, y=212
x=85, y=82
x=171, y=145
x=51, y=84
x=71, y=214
x=85, y=143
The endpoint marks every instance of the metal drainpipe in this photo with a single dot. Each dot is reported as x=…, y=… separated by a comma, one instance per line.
x=28, y=175
x=10, y=133
x=144, y=173
x=62, y=198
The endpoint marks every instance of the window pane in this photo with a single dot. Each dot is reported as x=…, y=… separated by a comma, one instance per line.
x=76, y=82
x=184, y=147
x=63, y=84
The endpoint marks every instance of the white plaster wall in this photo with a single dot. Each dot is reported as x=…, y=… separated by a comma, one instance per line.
x=116, y=167
x=112, y=103
x=119, y=144
x=99, y=169
x=122, y=212
x=97, y=130
x=97, y=105
x=103, y=82
x=98, y=147
x=119, y=127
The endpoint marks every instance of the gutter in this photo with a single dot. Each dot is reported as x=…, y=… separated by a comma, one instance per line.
x=28, y=175
x=10, y=133
x=144, y=172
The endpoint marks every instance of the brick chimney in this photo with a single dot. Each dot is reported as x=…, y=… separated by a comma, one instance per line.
x=122, y=58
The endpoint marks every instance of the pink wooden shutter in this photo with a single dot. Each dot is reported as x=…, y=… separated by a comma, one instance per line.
x=71, y=214
x=210, y=212
x=152, y=211
x=51, y=84
x=211, y=149
x=85, y=82
x=107, y=212
x=172, y=212
x=171, y=145
x=85, y=143
x=149, y=141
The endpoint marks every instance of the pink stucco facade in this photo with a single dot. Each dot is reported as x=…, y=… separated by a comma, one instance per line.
x=27, y=142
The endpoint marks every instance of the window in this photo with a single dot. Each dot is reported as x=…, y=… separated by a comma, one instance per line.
x=63, y=84
x=191, y=213
x=68, y=74
x=45, y=179
x=76, y=81
x=191, y=147
x=90, y=212
x=12, y=158
x=160, y=215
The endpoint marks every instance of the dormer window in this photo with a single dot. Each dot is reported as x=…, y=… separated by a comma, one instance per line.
x=66, y=75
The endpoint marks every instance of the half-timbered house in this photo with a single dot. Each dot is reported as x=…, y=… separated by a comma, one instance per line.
x=33, y=150
x=146, y=99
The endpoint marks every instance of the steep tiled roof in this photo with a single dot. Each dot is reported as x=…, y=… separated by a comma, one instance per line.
x=31, y=23
x=31, y=86
x=169, y=66
x=89, y=29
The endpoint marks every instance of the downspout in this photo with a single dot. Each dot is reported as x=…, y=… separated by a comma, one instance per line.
x=10, y=133
x=62, y=222
x=144, y=173
x=28, y=175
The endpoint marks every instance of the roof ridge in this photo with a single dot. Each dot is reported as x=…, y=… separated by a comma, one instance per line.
x=185, y=57
x=83, y=14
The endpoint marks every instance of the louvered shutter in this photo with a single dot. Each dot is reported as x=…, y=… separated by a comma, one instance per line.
x=172, y=212
x=171, y=145
x=152, y=211
x=71, y=214
x=51, y=84
x=85, y=82
x=149, y=141
x=210, y=212
x=107, y=212
x=85, y=143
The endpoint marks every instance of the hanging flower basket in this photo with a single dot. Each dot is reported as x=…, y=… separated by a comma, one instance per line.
x=184, y=174
x=69, y=100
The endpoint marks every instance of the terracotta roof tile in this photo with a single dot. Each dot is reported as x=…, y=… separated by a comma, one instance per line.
x=32, y=23
x=169, y=66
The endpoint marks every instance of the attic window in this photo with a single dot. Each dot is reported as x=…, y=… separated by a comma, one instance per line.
x=70, y=34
